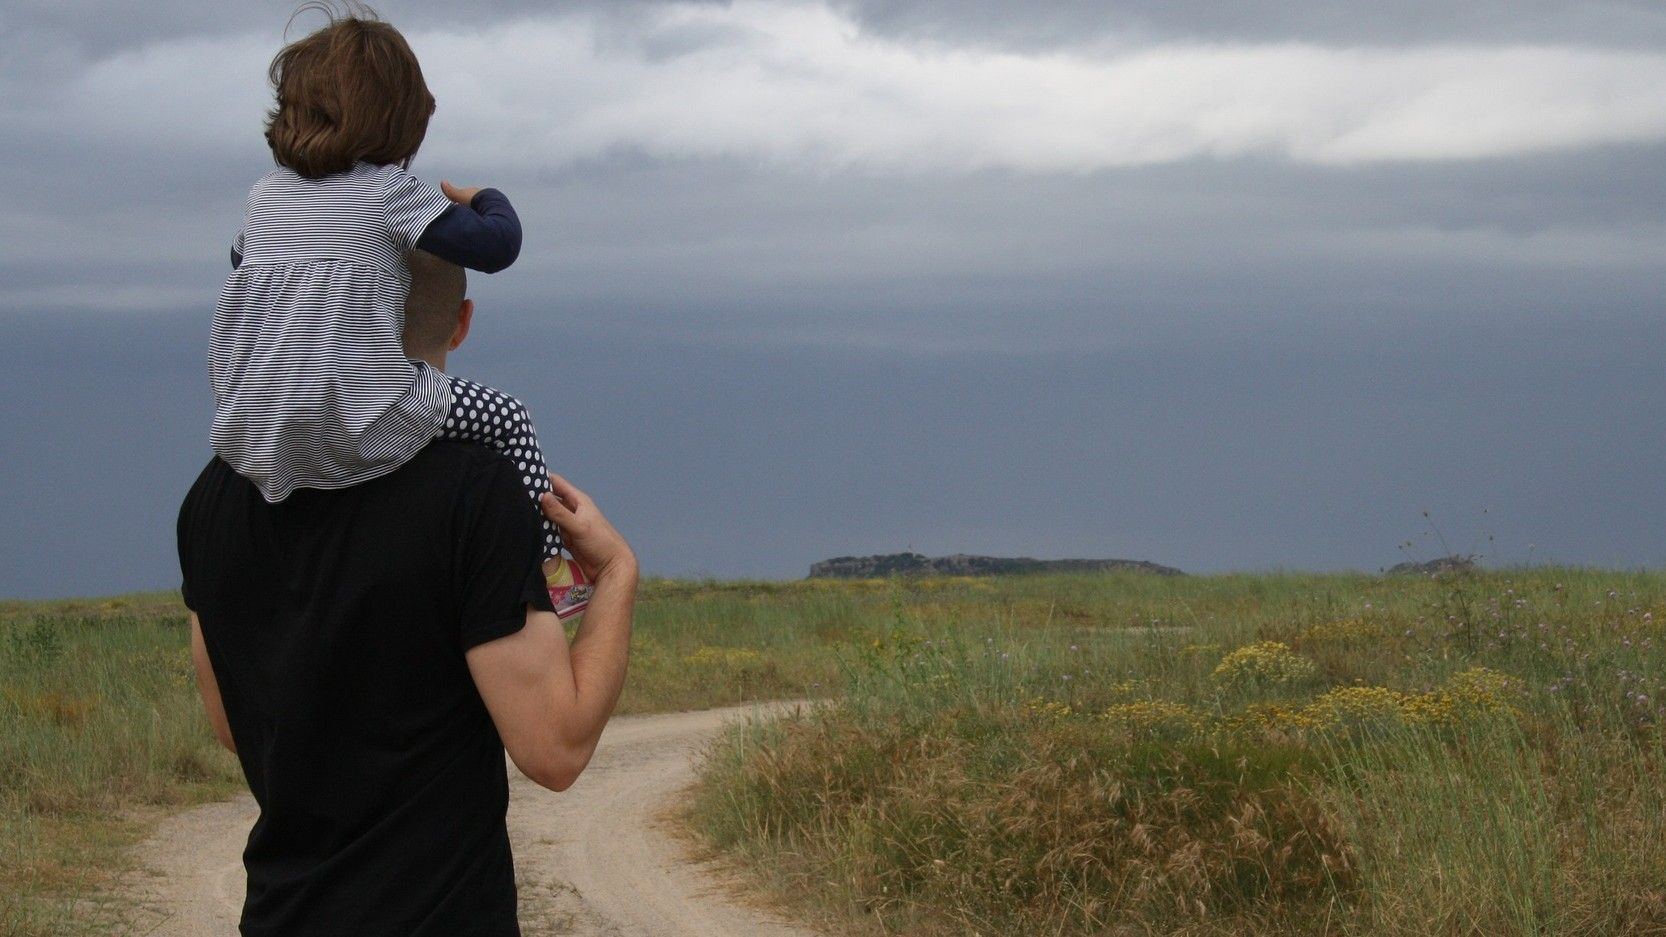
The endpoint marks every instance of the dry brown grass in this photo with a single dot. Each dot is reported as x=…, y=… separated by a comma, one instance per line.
x=1480, y=755
x=930, y=830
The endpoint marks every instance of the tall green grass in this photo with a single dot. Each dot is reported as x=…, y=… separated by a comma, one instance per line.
x=100, y=728
x=1478, y=754
x=1036, y=755
x=102, y=731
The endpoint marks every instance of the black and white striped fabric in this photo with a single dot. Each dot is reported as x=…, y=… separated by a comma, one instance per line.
x=311, y=386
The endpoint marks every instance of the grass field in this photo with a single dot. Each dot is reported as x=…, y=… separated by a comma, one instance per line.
x=1226, y=755
x=1037, y=755
x=101, y=730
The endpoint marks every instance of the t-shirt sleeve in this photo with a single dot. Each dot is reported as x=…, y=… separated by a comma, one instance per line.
x=182, y=539
x=187, y=532
x=499, y=556
x=410, y=205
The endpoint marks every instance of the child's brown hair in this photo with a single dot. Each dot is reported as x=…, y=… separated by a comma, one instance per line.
x=350, y=91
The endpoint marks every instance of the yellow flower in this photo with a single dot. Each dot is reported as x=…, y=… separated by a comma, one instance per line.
x=1434, y=708
x=1264, y=663
x=1276, y=717
x=1480, y=691
x=724, y=656
x=1051, y=710
x=1128, y=688
x=1352, y=705
x=1480, y=686
x=1155, y=717
x=1473, y=693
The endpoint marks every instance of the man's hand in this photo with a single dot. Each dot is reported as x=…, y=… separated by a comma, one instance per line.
x=459, y=196
x=550, y=700
x=594, y=543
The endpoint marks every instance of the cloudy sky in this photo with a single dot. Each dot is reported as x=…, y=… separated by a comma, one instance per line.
x=1224, y=286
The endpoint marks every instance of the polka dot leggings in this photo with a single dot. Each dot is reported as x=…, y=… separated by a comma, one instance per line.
x=481, y=414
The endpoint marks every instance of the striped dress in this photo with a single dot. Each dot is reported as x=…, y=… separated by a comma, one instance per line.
x=311, y=386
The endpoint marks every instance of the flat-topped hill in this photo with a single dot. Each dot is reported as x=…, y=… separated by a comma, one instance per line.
x=961, y=564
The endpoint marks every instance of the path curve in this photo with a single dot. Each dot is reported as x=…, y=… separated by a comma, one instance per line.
x=594, y=860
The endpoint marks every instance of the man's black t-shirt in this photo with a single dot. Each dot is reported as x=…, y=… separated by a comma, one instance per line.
x=336, y=623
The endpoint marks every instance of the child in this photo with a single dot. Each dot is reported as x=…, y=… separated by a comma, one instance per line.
x=311, y=386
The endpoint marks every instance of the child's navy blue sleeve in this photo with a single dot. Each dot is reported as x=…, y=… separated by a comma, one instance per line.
x=483, y=235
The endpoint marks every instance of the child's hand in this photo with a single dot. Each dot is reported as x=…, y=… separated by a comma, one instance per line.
x=459, y=196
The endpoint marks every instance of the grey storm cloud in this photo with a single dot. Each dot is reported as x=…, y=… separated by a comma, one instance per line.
x=100, y=26
x=1225, y=285
x=1625, y=23
x=803, y=84
x=664, y=165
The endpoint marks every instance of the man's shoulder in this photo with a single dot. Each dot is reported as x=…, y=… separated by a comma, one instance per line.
x=444, y=464
x=454, y=472
x=452, y=456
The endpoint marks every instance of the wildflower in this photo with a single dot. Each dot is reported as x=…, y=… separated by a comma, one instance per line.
x=1480, y=684
x=1155, y=718
x=1476, y=692
x=724, y=656
x=1275, y=717
x=1050, y=710
x=1355, y=705
x=1264, y=663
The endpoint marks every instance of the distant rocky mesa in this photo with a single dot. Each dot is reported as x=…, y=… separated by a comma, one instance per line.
x=960, y=564
x=1446, y=564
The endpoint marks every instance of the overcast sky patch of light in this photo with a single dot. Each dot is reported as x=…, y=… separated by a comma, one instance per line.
x=1226, y=286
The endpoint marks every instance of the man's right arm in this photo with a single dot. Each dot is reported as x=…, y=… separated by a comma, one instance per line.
x=550, y=700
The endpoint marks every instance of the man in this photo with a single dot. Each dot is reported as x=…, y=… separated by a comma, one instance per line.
x=369, y=653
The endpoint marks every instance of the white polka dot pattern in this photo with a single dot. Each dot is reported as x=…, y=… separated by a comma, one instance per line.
x=484, y=415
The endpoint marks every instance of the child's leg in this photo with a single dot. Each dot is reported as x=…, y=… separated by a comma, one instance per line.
x=481, y=414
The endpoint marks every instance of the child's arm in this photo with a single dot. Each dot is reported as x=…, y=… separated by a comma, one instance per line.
x=480, y=230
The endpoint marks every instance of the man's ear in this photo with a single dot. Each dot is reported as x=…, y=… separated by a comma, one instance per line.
x=465, y=318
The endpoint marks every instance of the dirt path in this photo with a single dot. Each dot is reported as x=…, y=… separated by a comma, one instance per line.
x=595, y=860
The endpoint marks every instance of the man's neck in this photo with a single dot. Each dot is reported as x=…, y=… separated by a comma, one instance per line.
x=436, y=360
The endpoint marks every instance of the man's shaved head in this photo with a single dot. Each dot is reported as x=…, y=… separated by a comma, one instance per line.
x=438, y=288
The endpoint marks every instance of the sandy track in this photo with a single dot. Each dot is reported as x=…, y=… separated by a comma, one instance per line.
x=596, y=859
